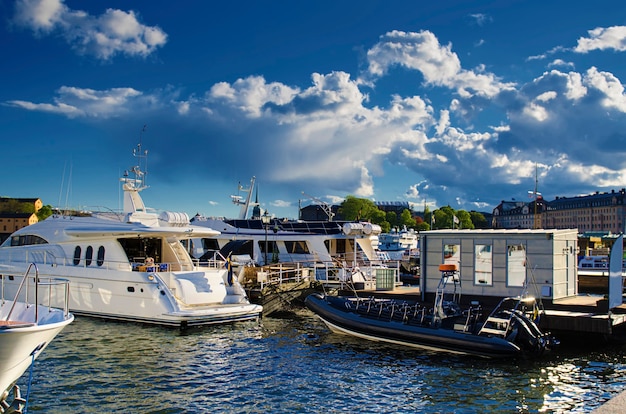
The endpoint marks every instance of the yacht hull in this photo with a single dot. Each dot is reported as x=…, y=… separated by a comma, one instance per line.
x=21, y=341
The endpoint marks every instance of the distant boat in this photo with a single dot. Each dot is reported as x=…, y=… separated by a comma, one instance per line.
x=398, y=245
x=26, y=330
x=598, y=263
x=251, y=241
x=593, y=273
x=509, y=330
x=130, y=266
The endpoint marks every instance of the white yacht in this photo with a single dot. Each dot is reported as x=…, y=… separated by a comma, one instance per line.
x=130, y=266
x=399, y=244
x=263, y=239
x=26, y=329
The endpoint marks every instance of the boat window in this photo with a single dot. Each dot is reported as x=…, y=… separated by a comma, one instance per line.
x=452, y=254
x=483, y=265
x=210, y=244
x=516, y=265
x=88, y=255
x=77, y=252
x=271, y=246
x=100, y=260
x=297, y=247
x=27, y=239
x=138, y=248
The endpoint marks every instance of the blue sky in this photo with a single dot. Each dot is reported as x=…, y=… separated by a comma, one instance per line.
x=454, y=103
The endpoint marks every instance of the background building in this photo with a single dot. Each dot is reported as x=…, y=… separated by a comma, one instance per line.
x=12, y=217
x=600, y=212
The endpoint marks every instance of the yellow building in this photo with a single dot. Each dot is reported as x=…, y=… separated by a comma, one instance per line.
x=12, y=221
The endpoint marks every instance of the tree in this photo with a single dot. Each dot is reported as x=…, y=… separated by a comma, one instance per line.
x=353, y=208
x=14, y=206
x=362, y=209
x=479, y=220
x=465, y=221
x=428, y=216
x=444, y=219
x=44, y=212
x=406, y=219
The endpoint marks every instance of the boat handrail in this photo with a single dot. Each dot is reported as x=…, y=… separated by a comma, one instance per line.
x=38, y=282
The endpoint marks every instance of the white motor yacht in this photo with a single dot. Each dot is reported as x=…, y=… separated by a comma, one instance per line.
x=131, y=266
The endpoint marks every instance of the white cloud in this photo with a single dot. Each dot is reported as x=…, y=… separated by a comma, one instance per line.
x=561, y=63
x=438, y=64
x=103, y=36
x=328, y=136
x=480, y=18
x=575, y=88
x=281, y=204
x=251, y=94
x=610, y=86
x=602, y=38
x=77, y=102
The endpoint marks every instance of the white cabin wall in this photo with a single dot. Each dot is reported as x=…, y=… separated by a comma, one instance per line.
x=550, y=259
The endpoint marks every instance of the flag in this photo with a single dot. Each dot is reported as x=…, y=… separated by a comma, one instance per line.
x=456, y=219
x=228, y=265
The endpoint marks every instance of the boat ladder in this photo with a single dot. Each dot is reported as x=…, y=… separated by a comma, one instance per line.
x=449, y=273
x=495, y=326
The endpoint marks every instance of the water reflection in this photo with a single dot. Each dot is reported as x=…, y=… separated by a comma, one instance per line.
x=296, y=365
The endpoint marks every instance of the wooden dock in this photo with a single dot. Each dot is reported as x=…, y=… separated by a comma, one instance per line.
x=584, y=314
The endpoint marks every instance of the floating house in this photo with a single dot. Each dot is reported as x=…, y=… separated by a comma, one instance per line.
x=498, y=263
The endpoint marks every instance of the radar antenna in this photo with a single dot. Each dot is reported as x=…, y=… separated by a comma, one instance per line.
x=324, y=205
x=238, y=200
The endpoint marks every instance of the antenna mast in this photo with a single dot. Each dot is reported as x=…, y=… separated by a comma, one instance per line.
x=537, y=195
x=245, y=205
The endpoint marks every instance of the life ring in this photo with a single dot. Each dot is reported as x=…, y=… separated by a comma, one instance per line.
x=448, y=268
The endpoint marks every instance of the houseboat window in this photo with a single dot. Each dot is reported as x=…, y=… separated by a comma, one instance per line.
x=77, y=252
x=516, y=265
x=452, y=254
x=100, y=260
x=297, y=247
x=483, y=265
x=88, y=255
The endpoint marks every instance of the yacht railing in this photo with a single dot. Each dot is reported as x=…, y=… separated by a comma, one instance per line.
x=25, y=289
x=334, y=274
x=48, y=258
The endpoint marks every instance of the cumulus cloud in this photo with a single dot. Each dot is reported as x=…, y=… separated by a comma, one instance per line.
x=602, y=38
x=114, y=32
x=437, y=63
x=328, y=136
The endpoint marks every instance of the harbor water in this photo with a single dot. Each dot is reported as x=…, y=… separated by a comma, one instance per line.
x=295, y=364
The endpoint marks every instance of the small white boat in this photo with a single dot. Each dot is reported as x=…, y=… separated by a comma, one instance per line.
x=26, y=329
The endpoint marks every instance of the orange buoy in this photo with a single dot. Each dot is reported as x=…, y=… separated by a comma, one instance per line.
x=447, y=268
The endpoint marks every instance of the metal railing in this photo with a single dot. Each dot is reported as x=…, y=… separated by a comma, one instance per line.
x=25, y=288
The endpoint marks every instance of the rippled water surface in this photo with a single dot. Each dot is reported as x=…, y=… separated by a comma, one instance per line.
x=294, y=364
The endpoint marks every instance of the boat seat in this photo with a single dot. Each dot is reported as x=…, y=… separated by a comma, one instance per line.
x=493, y=331
x=15, y=324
